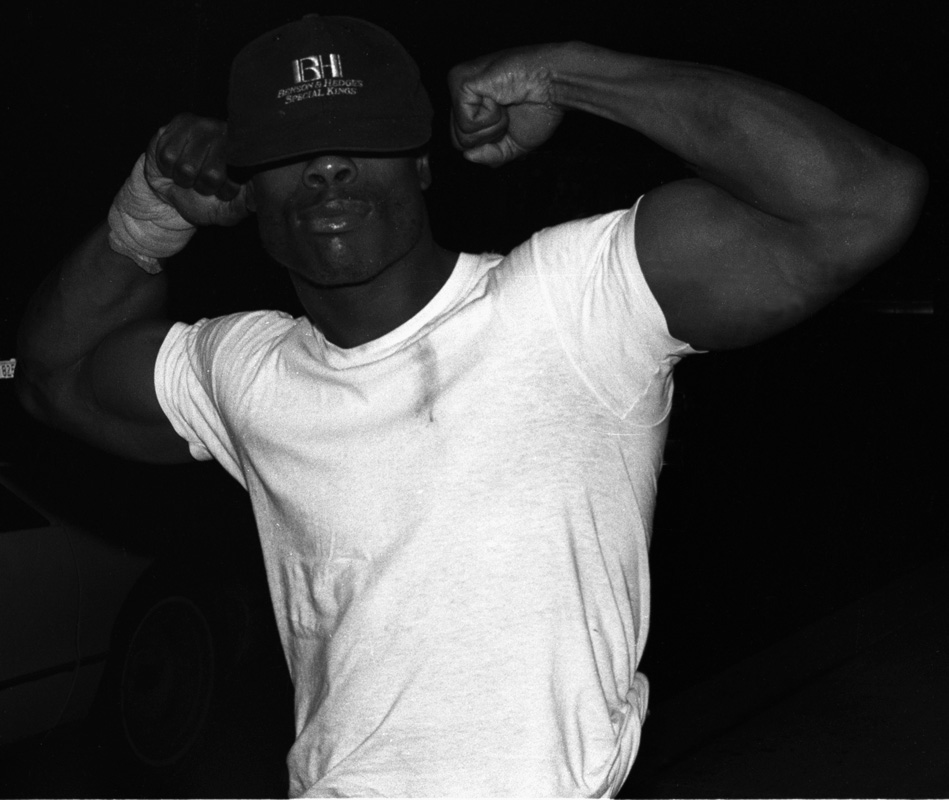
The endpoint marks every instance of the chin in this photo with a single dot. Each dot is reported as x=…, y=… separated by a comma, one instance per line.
x=337, y=275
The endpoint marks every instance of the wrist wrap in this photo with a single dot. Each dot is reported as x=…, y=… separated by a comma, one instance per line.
x=143, y=226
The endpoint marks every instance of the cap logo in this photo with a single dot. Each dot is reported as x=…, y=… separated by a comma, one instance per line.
x=314, y=68
x=322, y=84
x=318, y=76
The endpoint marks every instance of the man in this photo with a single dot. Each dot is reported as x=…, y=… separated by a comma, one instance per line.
x=452, y=458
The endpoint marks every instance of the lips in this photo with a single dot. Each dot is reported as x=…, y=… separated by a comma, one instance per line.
x=337, y=215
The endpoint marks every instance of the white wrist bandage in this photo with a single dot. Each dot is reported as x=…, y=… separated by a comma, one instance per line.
x=143, y=226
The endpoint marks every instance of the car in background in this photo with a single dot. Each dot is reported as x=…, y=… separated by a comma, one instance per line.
x=90, y=628
x=61, y=591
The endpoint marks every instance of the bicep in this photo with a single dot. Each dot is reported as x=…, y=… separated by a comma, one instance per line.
x=117, y=406
x=725, y=274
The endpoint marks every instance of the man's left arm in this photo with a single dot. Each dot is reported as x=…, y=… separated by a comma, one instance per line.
x=791, y=204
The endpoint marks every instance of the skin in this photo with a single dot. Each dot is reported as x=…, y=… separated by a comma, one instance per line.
x=790, y=206
x=353, y=233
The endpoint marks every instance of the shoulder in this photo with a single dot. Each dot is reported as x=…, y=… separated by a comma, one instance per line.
x=585, y=240
x=564, y=257
x=240, y=331
x=594, y=260
x=221, y=350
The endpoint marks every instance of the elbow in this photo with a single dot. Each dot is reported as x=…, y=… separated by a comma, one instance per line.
x=47, y=396
x=878, y=216
x=898, y=203
x=910, y=182
x=29, y=394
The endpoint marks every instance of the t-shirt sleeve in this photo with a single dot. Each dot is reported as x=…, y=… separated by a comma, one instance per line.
x=608, y=320
x=197, y=380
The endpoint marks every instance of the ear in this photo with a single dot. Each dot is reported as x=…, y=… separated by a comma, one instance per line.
x=423, y=171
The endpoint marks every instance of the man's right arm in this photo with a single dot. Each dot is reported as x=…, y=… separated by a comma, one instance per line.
x=86, y=353
x=90, y=337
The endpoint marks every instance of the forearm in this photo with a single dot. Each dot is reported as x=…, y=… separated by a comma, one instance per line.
x=93, y=293
x=771, y=148
x=90, y=339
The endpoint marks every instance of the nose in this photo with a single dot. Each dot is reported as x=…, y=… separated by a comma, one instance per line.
x=329, y=169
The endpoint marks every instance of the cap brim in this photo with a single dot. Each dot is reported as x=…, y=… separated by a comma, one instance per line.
x=261, y=146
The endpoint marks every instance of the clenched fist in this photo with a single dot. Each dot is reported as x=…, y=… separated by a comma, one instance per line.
x=503, y=104
x=185, y=167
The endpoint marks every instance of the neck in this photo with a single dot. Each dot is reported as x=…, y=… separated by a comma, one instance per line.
x=349, y=316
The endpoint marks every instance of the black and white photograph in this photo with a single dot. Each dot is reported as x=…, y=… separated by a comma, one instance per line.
x=418, y=399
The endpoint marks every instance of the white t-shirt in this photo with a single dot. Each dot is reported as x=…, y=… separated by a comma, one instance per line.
x=454, y=517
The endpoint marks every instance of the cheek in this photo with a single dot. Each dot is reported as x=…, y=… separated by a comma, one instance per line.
x=406, y=212
x=272, y=233
x=273, y=229
x=268, y=189
x=278, y=240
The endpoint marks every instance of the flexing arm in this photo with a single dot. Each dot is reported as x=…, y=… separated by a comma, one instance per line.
x=792, y=204
x=90, y=336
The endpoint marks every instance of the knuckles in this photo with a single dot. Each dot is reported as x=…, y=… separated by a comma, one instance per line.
x=190, y=151
x=215, y=175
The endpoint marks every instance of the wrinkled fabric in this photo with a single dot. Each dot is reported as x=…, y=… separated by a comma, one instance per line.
x=454, y=517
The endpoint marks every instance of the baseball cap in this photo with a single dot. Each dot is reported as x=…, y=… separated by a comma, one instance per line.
x=324, y=83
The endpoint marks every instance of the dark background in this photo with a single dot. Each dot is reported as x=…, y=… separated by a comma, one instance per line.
x=801, y=473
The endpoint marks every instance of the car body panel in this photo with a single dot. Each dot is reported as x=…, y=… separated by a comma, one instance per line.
x=61, y=590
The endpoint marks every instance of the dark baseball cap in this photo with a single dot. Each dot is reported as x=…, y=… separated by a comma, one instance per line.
x=324, y=84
